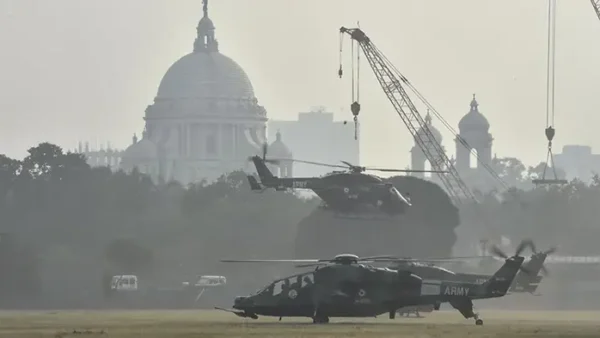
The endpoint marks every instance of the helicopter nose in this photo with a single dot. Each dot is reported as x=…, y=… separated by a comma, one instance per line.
x=242, y=301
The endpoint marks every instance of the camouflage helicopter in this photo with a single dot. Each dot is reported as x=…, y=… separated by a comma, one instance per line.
x=347, y=192
x=527, y=280
x=347, y=286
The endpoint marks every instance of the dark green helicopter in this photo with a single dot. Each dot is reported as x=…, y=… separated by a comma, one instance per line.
x=527, y=280
x=347, y=192
x=347, y=286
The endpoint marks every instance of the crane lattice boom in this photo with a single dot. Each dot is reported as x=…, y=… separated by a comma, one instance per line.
x=392, y=86
x=596, y=4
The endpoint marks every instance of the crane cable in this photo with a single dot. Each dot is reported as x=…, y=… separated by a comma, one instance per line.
x=355, y=106
x=550, y=88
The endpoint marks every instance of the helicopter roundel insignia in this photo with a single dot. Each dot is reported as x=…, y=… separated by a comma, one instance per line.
x=293, y=294
x=346, y=190
x=362, y=293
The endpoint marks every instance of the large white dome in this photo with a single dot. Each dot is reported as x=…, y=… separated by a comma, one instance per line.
x=205, y=75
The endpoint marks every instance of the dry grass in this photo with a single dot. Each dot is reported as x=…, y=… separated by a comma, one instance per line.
x=179, y=324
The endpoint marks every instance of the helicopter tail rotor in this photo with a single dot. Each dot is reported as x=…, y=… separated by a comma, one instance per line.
x=539, y=257
x=495, y=250
x=263, y=157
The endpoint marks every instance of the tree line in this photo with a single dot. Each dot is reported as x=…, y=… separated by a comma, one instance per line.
x=71, y=225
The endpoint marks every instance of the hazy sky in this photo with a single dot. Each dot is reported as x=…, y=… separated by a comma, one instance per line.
x=75, y=70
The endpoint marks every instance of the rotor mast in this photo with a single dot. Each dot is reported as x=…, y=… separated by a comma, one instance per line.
x=391, y=83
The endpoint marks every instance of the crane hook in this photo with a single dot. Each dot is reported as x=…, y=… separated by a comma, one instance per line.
x=355, y=108
x=550, y=132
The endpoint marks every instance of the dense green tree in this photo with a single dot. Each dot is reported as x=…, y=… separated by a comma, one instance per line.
x=511, y=170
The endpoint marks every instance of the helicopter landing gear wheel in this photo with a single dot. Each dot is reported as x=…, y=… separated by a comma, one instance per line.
x=478, y=321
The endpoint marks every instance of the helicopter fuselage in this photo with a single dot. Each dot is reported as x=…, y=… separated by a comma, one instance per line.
x=350, y=192
x=365, y=291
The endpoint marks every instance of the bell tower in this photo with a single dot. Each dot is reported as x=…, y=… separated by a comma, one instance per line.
x=474, y=130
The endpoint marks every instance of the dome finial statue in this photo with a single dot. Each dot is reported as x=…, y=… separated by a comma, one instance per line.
x=205, y=41
x=474, y=103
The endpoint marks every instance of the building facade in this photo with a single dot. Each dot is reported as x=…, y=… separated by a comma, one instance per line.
x=578, y=161
x=473, y=136
x=205, y=119
x=315, y=136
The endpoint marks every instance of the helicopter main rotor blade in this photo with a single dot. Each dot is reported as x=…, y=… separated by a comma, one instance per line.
x=433, y=259
x=380, y=257
x=270, y=260
x=350, y=165
x=406, y=170
x=315, y=163
x=310, y=265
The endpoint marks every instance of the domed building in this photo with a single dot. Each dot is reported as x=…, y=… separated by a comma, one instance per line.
x=279, y=151
x=473, y=135
x=418, y=158
x=142, y=155
x=474, y=131
x=205, y=119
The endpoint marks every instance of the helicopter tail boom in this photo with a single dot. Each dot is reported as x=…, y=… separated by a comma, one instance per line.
x=501, y=281
x=254, y=185
x=529, y=279
x=266, y=177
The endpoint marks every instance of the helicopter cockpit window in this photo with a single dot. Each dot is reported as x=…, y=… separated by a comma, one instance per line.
x=267, y=290
x=277, y=287
x=307, y=280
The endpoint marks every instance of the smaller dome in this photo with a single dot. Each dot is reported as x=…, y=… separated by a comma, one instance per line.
x=142, y=150
x=433, y=130
x=205, y=24
x=278, y=149
x=474, y=120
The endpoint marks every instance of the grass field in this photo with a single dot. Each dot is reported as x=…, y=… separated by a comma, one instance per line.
x=179, y=324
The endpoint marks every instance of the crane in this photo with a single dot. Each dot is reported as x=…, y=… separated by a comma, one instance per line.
x=596, y=4
x=392, y=84
x=550, y=77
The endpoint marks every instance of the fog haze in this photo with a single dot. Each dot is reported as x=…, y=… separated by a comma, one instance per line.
x=83, y=70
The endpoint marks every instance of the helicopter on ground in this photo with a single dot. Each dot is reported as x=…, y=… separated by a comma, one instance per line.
x=527, y=280
x=349, y=192
x=347, y=286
